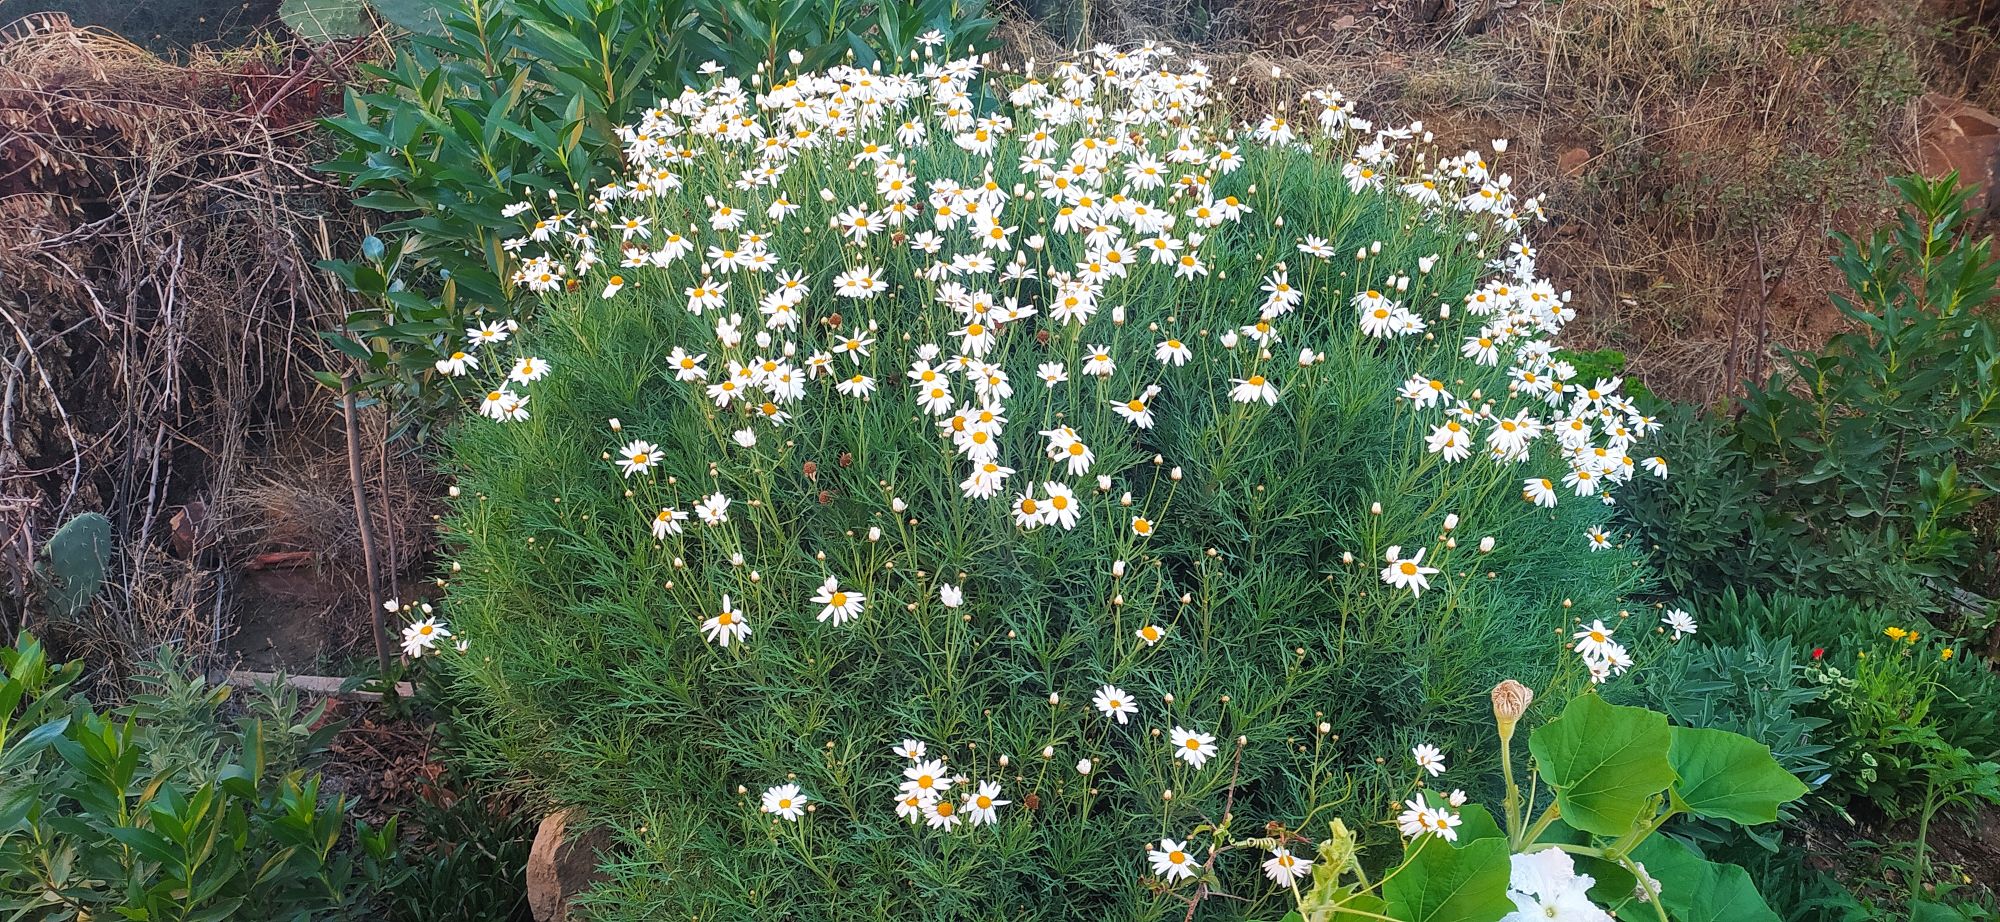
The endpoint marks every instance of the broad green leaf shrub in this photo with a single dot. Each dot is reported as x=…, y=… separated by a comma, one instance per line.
x=948, y=496
x=506, y=98
x=1612, y=776
x=1858, y=469
x=167, y=809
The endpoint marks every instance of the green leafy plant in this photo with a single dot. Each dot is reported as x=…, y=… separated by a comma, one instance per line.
x=1758, y=688
x=1857, y=468
x=160, y=812
x=520, y=97
x=1615, y=775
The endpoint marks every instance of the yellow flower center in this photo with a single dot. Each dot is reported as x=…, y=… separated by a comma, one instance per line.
x=1177, y=857
x=984, y=802
x=839, y=600
x=1256, y=381
x=1408, y=568
x=1136, y=406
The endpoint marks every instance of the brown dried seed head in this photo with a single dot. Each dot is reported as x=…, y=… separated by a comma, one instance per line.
x=825, y=497
x=812, y=470
x=847, y=459
x=1511, y=700
x=1032, y=801
x=1041, y=337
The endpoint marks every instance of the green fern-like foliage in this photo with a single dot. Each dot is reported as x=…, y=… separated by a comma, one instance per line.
x=595, y=573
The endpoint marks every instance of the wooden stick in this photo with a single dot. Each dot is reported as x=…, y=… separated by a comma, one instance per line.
x=377, y=616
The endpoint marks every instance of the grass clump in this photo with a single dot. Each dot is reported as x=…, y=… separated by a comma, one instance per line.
x=1030, y=550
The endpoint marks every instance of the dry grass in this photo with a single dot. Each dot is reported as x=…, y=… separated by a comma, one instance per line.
x=163, y=220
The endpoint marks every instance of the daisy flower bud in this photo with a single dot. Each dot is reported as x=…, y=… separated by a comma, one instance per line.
x=1325, y=727
x=1347, y=557
x=1174, y=474
x=1486, y=545
x=454, y=492
x=1167, y=794
x=1375, y=508
x=1117, y=569
x=1103, y=483
x=1004, y=761
x=1450, y=521
x=1083, y=766
x=1054, y=699
x=898, y=505
x=874, y=533
x=616, y=426
x=1048, y=752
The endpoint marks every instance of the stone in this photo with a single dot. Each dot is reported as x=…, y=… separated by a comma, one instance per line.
x=1956, y=135
x=563, y=863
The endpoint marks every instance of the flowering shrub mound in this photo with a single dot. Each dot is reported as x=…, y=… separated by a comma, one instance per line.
x=949, y=495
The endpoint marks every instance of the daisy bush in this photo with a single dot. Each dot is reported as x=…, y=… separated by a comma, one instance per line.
x=950, y=494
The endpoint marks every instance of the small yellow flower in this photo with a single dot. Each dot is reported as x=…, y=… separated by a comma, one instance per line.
x=1895, y=633
x=1946, y=653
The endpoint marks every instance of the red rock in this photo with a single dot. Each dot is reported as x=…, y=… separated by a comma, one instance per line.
x=1573, y=161
x=1956, y=135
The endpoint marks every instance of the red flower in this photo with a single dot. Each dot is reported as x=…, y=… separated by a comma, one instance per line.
x=1819, y=652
